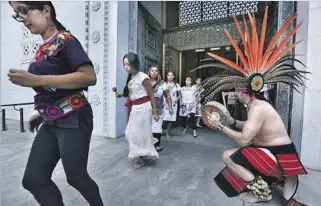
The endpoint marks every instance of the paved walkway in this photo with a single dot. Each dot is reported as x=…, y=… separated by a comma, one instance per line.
x=182, y=176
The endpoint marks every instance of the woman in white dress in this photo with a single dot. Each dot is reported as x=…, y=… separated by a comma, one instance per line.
x=142, y=108
x=175, y=92
x=160, y=91
x=188, y=106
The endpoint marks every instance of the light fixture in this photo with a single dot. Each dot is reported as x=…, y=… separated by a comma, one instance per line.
x=199, y=50
x=215, y=49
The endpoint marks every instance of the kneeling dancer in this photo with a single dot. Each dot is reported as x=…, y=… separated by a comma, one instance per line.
x=268, y=156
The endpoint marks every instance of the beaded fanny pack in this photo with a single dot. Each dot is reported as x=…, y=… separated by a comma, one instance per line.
x=63, y=107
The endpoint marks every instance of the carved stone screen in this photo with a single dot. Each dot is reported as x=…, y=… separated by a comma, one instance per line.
x=193, y=12
x=242, y=7
x=190, y=12
x=30, y=44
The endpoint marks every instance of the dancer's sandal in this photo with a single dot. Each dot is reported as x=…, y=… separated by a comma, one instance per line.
x=159, y=148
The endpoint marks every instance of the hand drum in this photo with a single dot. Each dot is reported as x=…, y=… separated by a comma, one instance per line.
x=220, y=109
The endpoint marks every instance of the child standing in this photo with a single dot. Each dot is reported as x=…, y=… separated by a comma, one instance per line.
x=188, y=106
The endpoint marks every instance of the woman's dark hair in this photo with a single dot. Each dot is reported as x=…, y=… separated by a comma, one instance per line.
x=39, y=5
x=133, y=61
x=174, y=79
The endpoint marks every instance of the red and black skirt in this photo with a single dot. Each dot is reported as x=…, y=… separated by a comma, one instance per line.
x=271, y=163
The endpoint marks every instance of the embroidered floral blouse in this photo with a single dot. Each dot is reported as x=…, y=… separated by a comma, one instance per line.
x=62, y=54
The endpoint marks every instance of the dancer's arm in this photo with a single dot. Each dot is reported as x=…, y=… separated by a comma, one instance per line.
x=167, y=95
x=83, y=77
x=238, y=124
x=150, y=92
x=250, y=129
x=118, y=95
x=179, y=90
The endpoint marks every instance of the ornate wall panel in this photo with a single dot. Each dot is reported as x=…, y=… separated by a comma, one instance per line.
x=149, y=41
x=98, y=39
x=133, y=24
x=105, y=68
x=193, y=12
x=203, y=36
x=284, y=92
x=87, y=4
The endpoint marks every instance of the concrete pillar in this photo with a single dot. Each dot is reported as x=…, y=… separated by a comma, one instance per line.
x=108, y=33
x=311, y=132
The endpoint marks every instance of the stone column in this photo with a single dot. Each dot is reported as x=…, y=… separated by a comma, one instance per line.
x=298, y=98
x=310, y=120
x=109, y=34
x=98, y=53
x=118, y=47
x=284, y=92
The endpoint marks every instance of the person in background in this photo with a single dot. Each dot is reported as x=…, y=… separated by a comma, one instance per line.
x=141, y=108
x=175, y=92
x=188, y=106
x=160, y=91
x=59, y=73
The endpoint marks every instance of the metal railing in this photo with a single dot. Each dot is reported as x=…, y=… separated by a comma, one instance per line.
x=20, y=110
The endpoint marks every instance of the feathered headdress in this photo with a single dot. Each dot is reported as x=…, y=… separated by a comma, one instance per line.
x=258, y=67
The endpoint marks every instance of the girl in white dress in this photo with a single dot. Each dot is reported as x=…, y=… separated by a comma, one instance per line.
x=175, y=92
x=160, y=91
x=188, y=105
x=142, y=108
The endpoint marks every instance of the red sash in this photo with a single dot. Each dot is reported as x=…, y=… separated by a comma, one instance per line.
x=139, y=101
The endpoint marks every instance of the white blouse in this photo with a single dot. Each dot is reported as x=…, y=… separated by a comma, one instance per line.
x=135, y=86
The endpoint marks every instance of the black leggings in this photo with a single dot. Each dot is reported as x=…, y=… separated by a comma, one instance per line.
x=191, y=120
x=157, y=136
x=72, y=147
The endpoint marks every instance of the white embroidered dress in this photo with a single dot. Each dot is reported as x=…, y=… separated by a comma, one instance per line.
x=173, y=89
x=139, y=127
x=159, y=97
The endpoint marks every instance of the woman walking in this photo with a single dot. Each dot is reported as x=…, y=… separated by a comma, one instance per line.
x=160, y=91
x=188, y=106
x=142, y=108
x=175, y=92
x=59, y=73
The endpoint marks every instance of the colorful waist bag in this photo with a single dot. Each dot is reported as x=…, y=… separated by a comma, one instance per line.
x=62, y=108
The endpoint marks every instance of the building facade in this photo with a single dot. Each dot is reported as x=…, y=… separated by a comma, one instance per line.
x=173, y=36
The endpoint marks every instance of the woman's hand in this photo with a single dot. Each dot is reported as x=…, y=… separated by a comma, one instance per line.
x=23, y=78
x=171, y=112
x=156, y=117
x=118, y=95
x=34, y=122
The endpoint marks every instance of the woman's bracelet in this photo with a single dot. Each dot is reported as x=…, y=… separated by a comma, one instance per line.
x=221, y=127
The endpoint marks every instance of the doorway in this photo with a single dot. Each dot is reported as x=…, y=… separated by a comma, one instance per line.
x=193, y=58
